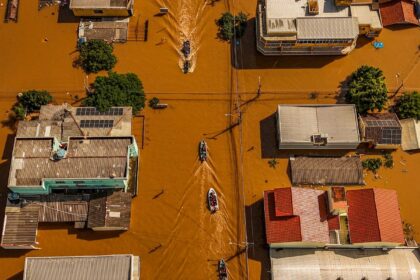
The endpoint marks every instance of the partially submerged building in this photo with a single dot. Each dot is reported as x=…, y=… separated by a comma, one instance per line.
x=317, y=127
x=397, y=12
x=115, y=267
x=102, y=8
x=312, y=27
x=115, y=31
x=381, y=130
x=326, y=171
x=410, y=134
x=72, y=165
x=302, y=218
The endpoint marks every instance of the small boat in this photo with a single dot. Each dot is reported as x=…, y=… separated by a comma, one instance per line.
x=186, y=48
x=186, y=67
x=202, y=150
x=223, y=275
x=212, y=200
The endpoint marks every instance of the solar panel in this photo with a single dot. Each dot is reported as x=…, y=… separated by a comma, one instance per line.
x=96, y=123
x=88, y=111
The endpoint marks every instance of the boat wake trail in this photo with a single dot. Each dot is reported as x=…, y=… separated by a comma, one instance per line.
x=184, y=23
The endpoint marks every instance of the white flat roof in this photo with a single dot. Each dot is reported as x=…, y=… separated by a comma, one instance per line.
x=410, y=134
x=350, y=264
x=366, y=16
x=327, y=28
x=297, y=123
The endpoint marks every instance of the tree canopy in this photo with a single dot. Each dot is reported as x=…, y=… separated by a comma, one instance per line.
x=367, y=89
x=32, y=100
x=116, y=90
x=230, y=25
x=96, y=55
x=408, y=106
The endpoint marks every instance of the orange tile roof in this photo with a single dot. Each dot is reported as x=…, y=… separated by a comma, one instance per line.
x=374, y=216
x=398, y=12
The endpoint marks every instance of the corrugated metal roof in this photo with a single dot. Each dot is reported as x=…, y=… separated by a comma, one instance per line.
x=20, y=225
x=350, y=264
x=410, y=134
x=297, y=123
x=327, y=28
x=326, y=171
x=107, y=267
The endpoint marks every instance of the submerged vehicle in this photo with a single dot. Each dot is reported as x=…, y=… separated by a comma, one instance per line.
x=223, y=275
x=212, y=200
x=202, y=150
x=186, y=48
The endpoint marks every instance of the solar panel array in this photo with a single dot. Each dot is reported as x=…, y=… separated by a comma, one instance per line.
x=96, y=123
x=382, y=123
x=391, y=136
x=88, y=111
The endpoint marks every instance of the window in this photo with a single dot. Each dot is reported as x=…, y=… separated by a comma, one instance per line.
x=98, y=11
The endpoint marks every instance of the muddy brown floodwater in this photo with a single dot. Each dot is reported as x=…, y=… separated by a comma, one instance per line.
x=171, y=229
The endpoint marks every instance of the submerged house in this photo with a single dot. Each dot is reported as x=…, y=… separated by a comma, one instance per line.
x=66, y=167
x=326, y=171
x=308, y=218
x=314, y=27
x=116, y=267
x=410, y=134
x=317, y=127
x=397, y=12
x=102, y=8
x=382, y=131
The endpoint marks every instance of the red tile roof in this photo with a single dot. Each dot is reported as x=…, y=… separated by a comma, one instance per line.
x=397, y=12
x=307, y=219
x=374, y=216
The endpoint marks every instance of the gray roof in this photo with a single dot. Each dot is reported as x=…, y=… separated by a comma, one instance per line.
x=327, y=28
x=297, y=123
x=381, y=128
x=350, y=264
x=410, y=134
x=86, y=158
x=106, y=267
x=326, y=171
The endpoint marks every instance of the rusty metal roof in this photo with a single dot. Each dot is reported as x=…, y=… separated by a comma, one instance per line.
x=326, y=171
x=110, y=211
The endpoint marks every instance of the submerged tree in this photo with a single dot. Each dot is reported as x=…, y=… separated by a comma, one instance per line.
x=96, y=55
x=372, y=164
x=32, y=100
x=367, y=89
x=408, y=106
x=232, y=26
x=116, y=90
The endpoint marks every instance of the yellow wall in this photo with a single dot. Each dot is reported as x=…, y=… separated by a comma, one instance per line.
x=106, y=13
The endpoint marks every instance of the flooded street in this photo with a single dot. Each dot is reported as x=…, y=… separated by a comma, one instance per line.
x=171, y=228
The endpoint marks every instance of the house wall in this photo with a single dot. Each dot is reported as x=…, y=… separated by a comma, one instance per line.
x=298, y=245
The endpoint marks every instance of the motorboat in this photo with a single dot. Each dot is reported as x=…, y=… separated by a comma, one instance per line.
x=202, y=151
x=186, y=67
x=186, y=48
x=223, y=275
x=212, y=200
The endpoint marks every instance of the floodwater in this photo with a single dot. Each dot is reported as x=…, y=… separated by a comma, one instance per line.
x=171, y=229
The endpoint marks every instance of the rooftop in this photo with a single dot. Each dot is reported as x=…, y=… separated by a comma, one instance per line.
x=63, y=121
x=382, y=128
x=327, y=28
x=90, y=157
x=398, y=12
x=296, y=215
x=116, y=267
x=366, y=16
x=374, y=216
x=326, y=171
x=410, y=134
x=350, y=264
x=80, y=4
x=298, y=123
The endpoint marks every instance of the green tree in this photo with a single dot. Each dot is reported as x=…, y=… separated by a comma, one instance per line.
x=116, y=90
x=230, y=25
x=32, y=100
x=96, y=55
x=19, y=111
x=408, y=105
x=367, y=89
x=372, y=164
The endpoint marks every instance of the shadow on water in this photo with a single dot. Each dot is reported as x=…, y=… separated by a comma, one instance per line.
x=258, y=249
x=17, y=276
x=249, y=58
x=65, y=15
